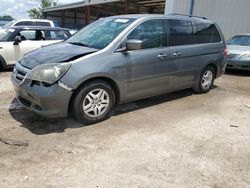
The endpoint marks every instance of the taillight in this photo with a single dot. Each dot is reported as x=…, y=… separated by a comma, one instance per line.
x=225, y=52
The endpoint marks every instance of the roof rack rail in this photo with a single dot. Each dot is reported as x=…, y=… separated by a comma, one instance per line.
x=177, y=14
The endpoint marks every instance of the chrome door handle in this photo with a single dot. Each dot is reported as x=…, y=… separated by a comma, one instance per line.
x=176, y=54
x=162, y=56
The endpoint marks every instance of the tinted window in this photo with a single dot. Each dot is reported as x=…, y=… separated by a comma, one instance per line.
x=181, y=32
x=151, y=33
x=42, y=23
x=207, y=33
x=23, y=23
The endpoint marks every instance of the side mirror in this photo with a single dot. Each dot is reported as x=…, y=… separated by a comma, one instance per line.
x=17, y=40
x=134, y=44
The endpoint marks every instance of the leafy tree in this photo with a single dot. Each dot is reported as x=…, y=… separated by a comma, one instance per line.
x=37, y=12
x=6, y=16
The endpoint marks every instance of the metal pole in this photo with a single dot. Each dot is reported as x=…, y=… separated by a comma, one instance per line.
x=169, y=6
x=191, y=7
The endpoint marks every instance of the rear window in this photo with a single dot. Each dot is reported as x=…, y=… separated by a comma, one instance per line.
x=181, y=32
x=42, y=23
x=30, y=23
x=207, y=33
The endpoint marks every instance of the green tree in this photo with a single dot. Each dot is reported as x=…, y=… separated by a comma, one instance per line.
x=37, y=12
x=6, y=16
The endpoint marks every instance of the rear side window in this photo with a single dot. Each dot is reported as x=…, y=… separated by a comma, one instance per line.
x=181, y=32
x=207, y=33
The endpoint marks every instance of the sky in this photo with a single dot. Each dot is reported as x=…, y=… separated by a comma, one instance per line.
x=18, y=8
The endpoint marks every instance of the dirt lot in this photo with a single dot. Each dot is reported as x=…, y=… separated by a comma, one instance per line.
x=175, y=140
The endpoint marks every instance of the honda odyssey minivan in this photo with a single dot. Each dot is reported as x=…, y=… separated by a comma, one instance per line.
x=119, y=59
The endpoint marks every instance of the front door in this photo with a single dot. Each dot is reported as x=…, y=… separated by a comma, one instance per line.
x=147, y=68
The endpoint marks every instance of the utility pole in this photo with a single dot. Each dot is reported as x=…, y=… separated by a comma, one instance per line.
x=191, y=7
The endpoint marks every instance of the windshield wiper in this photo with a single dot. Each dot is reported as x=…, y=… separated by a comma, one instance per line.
x=78, y=43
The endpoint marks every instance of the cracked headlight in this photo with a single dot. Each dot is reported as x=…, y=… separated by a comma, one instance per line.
x=245, y=57
x=48, y=73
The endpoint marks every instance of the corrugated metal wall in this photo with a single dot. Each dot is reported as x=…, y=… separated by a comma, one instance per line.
x=233, y=16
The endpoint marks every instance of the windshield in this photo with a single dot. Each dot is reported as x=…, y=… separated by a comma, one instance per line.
x=8, y=25
x=243, y=40
x=5, y=34
x=100, y=33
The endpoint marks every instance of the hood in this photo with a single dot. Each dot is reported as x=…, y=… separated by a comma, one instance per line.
x=238, y=49
x=55, y=53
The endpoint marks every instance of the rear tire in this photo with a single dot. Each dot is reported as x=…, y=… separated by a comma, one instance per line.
x=93, y=102
x=206, y=80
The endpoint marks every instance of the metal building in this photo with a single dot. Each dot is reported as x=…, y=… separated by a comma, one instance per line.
x=231, y=15
x=77, y=15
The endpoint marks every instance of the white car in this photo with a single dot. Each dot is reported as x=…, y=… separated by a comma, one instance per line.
x=17, y=41
x=29, y=22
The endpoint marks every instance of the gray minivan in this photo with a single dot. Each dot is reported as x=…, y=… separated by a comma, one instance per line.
x=120, y=59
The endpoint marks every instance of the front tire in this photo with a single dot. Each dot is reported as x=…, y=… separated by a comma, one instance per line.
x=93, y=102
x=206, y=80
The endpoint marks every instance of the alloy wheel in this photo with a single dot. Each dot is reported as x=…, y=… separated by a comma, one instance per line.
x=96, y=102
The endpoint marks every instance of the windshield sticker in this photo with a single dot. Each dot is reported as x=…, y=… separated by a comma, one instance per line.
x=121, y=20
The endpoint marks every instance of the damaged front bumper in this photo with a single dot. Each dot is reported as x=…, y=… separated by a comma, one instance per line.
x=47, y=101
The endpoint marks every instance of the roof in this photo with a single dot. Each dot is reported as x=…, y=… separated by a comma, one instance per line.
x=170, y=16
x=39, y=27
x=77, y=5
x=33, y=20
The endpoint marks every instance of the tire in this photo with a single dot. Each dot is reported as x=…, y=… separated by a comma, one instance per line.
x=206, y=80
x=1, y=66
x=93, y=102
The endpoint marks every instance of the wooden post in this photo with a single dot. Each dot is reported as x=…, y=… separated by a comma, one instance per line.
x=63, y=18
x=87, y=15
x=126, y=7
x=75, y=17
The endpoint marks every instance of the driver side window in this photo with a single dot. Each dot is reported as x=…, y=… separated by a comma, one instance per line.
x=151, y=33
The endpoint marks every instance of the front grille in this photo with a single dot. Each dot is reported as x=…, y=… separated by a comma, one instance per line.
x=231, y=56
x=24, y=101
x=20, y=72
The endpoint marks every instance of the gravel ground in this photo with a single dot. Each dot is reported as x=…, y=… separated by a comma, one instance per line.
x=175, y=140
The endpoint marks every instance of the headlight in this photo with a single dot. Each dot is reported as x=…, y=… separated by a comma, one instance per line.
x=48, y=73
x=245, y=57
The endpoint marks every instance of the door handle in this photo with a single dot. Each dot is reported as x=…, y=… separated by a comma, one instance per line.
x=162, y=56
x=176, y=54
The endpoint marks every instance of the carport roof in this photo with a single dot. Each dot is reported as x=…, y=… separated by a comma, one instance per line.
x=146, y=3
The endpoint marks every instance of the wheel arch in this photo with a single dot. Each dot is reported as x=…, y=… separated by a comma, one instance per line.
x=214, y=66
x=110, y=81
x=2, y=62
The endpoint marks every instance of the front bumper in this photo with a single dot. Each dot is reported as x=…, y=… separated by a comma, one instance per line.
x=239, y=65
x=51, y=102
